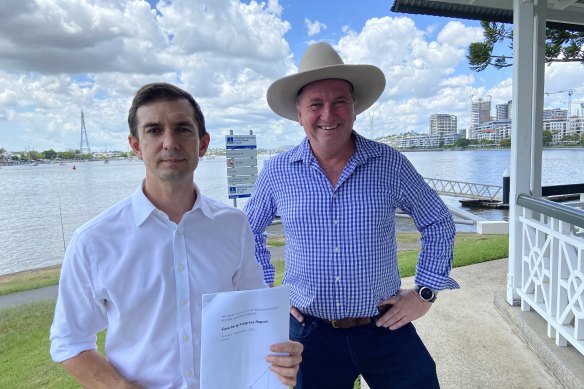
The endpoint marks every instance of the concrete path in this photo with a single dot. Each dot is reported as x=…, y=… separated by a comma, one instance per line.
x=29, y=296
x=476, y=346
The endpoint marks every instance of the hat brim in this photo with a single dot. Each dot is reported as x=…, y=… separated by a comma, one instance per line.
x=368, y=84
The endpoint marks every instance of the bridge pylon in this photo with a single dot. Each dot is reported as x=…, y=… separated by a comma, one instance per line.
x=84, y=144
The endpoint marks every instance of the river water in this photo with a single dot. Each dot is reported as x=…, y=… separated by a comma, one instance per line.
x=41, y=206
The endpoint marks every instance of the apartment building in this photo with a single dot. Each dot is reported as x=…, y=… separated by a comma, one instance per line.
x=442, y=124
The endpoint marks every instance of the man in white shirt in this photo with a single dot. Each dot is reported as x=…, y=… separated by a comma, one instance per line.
x=139, y=269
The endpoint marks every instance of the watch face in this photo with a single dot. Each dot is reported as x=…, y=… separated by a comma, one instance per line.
x=426, y=293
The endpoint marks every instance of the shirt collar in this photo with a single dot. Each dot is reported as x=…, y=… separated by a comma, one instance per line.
x=143, y=207
x=364, y=149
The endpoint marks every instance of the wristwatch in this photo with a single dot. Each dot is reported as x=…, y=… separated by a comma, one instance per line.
x=426, y=293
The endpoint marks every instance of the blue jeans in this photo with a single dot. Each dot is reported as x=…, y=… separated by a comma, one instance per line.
x=333, y=358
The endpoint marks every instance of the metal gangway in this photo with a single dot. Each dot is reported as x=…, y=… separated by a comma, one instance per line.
x=464, y=189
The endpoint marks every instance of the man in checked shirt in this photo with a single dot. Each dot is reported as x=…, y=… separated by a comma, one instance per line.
x=337, y=194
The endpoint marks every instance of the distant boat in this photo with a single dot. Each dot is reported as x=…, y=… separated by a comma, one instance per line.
x=74, y=168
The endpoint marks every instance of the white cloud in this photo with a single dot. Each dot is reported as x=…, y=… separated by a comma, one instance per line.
x=313, y=27
x=457, y=34
x=420, y=72
x=59, y=56
x=224, y=52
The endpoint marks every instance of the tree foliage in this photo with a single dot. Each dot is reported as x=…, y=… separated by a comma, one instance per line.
x=462, y=142
x=547, y=137
x=50, y=154
x=561, y=46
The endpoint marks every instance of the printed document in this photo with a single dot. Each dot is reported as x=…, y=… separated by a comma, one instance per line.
x=237, y=330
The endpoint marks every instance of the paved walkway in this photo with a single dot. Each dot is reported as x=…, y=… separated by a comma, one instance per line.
x=476, y=338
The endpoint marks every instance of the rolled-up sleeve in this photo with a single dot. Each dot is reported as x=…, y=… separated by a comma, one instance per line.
x=78, y=315
x=434, y=222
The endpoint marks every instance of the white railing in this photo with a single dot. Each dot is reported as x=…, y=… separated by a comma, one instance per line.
x=552, y=267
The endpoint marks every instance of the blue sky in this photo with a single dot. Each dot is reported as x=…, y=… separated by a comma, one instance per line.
x=58, y=57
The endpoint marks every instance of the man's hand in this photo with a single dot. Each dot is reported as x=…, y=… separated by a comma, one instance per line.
x=286, y=366
x=296, y=313
x=407, y=307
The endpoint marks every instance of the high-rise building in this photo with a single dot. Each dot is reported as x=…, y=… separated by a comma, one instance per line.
x=481, y=111
x=503, y=111
x=555, y=114
x=442, y=124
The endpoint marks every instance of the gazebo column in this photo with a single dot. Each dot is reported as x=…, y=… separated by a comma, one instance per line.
x=529, y=21
x=521, y=134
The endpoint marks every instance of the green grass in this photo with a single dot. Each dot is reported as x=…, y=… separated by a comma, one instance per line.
x=27, y=280
x=24, y=331
x=24, y=355
x=469, y=249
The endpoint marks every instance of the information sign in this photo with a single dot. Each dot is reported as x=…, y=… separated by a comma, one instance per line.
x=242, y=162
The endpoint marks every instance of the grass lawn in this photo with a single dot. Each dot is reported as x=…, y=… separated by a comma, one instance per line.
x=24, y=331
x=26, y=280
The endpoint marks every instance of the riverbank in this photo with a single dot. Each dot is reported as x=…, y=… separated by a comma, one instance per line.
x=469, y=248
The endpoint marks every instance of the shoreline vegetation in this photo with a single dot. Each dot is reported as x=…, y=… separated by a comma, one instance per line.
x=469, y=248
x=24, y=330
x=66, y=157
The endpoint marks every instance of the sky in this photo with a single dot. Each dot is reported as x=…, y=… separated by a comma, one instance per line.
x=58, y=57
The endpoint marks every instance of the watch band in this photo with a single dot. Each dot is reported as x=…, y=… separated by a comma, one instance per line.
x=426, y=293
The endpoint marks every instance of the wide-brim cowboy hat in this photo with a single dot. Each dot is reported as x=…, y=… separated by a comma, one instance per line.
x=319, y=62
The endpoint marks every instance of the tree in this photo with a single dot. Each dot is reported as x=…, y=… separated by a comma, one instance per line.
x=571, y=139
x=66, y=154
x=547, y=137
x=462, y=142
x=560, y=46
x=49, y=154
x=506, y=142
x=34, y=155
x=582, y=139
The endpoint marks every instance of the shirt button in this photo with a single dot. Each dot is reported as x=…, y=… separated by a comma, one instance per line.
x=337, y=278
x=188, y=373
x=185, y=337
x=336, y=249
x=334, y=195
x=181, y=267
x=183, y=302
x=335, y=222
x=178, y=232
x=339, y=304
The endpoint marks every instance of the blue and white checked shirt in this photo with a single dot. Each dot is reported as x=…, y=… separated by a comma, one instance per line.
x=341, y=252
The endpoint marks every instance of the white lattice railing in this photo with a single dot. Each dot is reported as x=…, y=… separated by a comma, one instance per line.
x=552, y=267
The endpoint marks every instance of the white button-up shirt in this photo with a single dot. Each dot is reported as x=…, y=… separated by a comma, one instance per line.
x=138, y=274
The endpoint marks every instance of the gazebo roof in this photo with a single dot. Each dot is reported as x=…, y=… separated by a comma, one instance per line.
x=562, y=14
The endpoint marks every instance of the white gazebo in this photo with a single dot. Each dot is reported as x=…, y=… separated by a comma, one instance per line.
x=546, y=239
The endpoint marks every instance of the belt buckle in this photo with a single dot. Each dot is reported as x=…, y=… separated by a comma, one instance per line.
x=334, y=323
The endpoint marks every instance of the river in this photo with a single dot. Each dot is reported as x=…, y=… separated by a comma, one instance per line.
x=41, y=206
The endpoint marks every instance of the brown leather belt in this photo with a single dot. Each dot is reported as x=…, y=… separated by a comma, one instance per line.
x=349, y=322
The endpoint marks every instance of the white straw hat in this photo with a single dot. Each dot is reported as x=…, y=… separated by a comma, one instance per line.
x=319, y=62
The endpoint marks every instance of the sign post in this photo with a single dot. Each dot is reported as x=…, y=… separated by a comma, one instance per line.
x=242, y=165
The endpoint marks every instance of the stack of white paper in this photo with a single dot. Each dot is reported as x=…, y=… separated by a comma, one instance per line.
x=237, y=330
